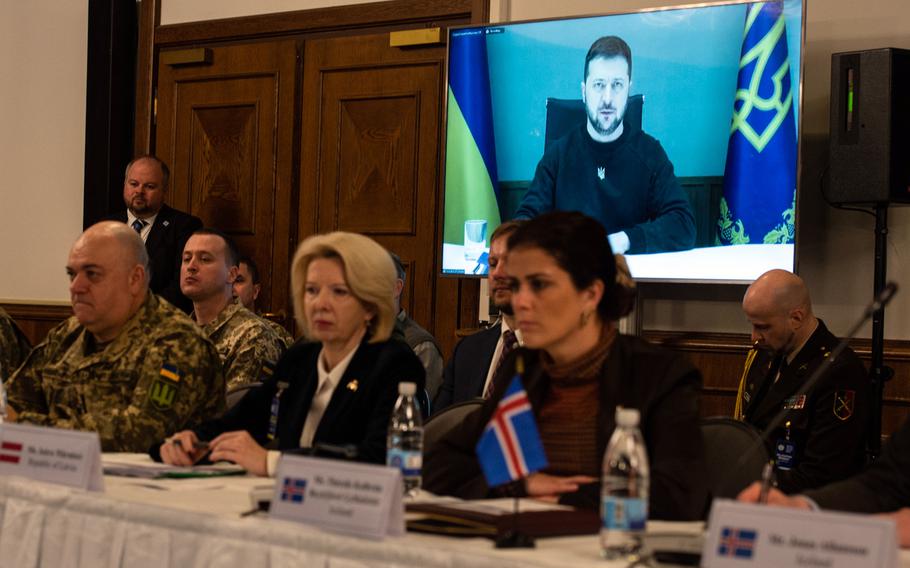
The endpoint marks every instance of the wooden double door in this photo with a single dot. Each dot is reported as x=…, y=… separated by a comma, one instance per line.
x=275, y=140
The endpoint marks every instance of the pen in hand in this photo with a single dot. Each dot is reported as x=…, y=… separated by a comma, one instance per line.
x=767, y=476
x=197, y=445
x=196, y=452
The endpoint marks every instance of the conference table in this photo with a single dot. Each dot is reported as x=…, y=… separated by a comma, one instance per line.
x=140, y=523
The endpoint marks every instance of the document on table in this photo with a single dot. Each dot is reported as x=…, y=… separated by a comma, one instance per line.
x=506, y=506
x=141, y=465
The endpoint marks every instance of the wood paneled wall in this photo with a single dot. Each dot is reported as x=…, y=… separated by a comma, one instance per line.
x=365, y=122
x=36, y=320
x=720, y=358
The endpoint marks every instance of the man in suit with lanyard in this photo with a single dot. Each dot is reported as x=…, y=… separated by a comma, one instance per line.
x=163, y=229
x=882, y=488
x=822, y=436
x=472, y=367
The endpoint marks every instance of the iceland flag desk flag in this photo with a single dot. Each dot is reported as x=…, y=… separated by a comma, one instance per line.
x=510, y=446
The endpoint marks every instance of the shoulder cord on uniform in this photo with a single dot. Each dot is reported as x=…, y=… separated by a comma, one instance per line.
x=738, y=409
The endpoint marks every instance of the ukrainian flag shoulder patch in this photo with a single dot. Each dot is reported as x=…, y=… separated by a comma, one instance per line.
x=163, y=390
x=170, y=372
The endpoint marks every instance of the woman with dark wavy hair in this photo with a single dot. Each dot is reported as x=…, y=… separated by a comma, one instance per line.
x=578, y=369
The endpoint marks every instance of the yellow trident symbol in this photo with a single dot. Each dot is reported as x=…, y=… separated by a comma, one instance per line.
x=761, y=53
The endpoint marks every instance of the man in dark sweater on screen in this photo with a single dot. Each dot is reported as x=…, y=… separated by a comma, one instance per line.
x=612, y=171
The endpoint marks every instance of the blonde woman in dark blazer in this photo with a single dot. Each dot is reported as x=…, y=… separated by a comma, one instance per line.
x=336, y=388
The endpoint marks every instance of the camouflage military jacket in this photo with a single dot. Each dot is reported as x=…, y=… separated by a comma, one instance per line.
x=283, y=333
x=244, y=342
x=13, y=346
x=158, y=376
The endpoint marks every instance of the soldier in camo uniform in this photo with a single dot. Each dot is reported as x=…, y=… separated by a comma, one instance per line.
x=127, y=365
x=248, y=347
x=13, y=346
x=247, y=286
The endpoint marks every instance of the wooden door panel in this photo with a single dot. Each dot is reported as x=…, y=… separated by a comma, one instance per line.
x=222, y=144
x=376, y=163
x=370, y=152
x=226, y=130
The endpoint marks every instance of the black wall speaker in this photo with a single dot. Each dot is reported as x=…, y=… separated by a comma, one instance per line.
x=870, y=127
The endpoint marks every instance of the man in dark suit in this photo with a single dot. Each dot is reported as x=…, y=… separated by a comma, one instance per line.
x=163, y=229
x=822, y=437
x=882, y=488
x=470, y=371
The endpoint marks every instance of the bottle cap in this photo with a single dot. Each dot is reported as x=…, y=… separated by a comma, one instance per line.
x=627, y=417
x=407, y=389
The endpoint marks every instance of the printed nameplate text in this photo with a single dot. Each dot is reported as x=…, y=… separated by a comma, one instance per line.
x=741, y=534
x=52, y=455
x=353, y=498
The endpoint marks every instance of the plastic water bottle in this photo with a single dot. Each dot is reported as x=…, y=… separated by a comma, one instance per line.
x=405, y=439
x=624, y=489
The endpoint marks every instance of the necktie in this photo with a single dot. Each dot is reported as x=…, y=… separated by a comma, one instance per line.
x=509, y=342
x=781, y=369
x=138, y=225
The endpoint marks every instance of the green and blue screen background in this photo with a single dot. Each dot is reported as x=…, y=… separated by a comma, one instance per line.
x=686, y=62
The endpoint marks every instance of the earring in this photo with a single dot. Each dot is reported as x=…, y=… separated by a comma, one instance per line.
x=585, y=316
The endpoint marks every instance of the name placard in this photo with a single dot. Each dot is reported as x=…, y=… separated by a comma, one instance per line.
x=52, y=455
x=352, y=498
x=743, y=534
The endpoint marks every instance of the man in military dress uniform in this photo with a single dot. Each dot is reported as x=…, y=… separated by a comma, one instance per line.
x=127, y=365
x=822, y=437
x=13, y=346
x=247, y=345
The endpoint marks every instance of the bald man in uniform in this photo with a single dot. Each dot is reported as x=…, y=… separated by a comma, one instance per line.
x=127, y=365
x=822, y=436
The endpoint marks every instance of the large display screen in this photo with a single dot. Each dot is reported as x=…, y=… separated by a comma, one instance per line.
x=676, y=128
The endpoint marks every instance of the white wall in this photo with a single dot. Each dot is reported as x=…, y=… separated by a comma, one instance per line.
x=42, y=144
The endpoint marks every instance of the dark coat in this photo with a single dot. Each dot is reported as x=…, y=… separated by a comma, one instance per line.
x=357, y=414
x=828, y=431
x=165, y=244
x=883, y=487
x=466, y=372
x=659, y=383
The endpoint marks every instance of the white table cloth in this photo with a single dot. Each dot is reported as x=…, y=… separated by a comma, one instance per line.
x=197, y=524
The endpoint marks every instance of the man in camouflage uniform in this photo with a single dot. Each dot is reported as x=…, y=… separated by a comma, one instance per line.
x=13, y=346
x=247, y=286
x=127, y=365
x=248, y=347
